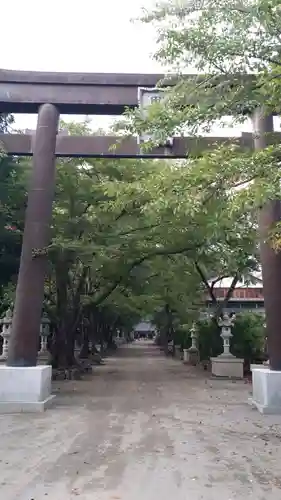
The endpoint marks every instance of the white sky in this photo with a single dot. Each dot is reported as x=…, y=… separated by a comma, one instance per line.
x=83, y=36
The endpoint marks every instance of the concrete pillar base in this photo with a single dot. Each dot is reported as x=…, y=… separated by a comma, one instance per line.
x=266, y=391
x=25, y=389
x=227, y=367
x=254, y=365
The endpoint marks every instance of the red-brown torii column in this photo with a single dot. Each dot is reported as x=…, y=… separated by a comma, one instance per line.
x=267, y=380
x=23, y=345
x=269, y=216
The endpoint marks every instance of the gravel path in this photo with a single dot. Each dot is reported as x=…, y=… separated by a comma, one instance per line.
x=142, y=427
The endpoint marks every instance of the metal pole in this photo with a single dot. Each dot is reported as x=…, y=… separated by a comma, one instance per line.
x=269, y=215
x=23, y=346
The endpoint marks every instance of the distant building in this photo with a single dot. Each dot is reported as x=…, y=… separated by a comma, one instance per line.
x=144, y=329
x=245, y=297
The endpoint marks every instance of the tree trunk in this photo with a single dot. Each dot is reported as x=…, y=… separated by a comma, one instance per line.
x=63, y=346
x=85, y=351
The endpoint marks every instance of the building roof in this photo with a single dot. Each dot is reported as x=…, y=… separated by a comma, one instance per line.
x=144, y=326
x=226, y=282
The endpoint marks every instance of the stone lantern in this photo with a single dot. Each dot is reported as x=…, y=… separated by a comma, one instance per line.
x=191, y=355
x=226, y=365
x=194, y=337
x=226, y=323
x=44, y=334
x=6, y=333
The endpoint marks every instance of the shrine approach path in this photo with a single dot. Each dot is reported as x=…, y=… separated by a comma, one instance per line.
x=142, y=427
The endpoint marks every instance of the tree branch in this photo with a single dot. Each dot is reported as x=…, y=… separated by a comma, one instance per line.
x=158, y=252
x=206, y=283
x=228, y=296
x=125, y=233
x=217, y=280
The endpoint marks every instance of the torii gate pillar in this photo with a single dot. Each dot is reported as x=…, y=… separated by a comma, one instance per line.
x=30, y=287
x=267, y=380
x=23, y=385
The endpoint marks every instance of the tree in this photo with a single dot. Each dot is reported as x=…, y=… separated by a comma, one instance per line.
x=221, y=42
x=234, y=51
x=119, y=223
x=116, y=225
x=103, y=229
x=12, y=198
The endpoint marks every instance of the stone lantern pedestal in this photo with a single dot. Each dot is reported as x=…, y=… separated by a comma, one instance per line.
x=185, y=356
x=226, y=365
x=178, y=352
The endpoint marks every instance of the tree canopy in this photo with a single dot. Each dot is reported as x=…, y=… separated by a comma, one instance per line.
x=131, y=236
x=221, y=43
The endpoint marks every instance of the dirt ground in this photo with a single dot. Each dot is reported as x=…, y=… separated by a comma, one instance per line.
x=142, y=427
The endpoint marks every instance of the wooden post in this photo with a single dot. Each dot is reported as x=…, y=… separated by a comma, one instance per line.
x=269, y=215
x=23, y=345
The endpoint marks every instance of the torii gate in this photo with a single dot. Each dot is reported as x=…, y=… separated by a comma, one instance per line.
x=50, y=94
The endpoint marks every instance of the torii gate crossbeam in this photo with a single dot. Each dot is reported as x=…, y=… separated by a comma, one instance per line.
x=113, y=147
